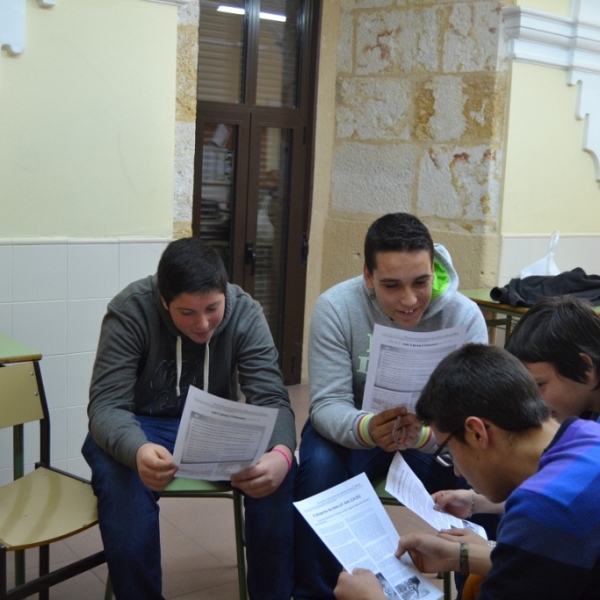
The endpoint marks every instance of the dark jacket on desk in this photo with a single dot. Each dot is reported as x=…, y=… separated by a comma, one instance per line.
x=527, y=291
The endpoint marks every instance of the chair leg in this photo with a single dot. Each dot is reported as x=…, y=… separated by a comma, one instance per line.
x=108, y=592
x=44, y=568
x=447, y=585
x=19, y=567
x=3, y=569
x=240, y=542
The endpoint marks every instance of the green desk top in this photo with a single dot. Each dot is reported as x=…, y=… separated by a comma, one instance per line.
x=12, y=351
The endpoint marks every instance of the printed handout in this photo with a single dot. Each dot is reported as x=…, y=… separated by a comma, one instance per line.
x=218, y=437
x=400, y=363
x=406, y=487
x=354, y=525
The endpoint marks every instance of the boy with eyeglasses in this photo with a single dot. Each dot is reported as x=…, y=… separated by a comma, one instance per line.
x=499, y=432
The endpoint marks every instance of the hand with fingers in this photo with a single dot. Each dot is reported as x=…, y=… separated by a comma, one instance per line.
x=266, y=475
x=395, y=429
x=155, y=466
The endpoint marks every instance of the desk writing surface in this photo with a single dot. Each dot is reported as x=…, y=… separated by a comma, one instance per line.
x=483, y=300
x=12, y=351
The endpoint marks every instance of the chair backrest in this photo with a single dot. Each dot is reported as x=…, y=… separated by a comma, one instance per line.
x=20, y=397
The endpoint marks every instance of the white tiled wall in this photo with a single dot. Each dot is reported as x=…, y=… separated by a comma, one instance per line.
x=53, y=295
x=570, y=252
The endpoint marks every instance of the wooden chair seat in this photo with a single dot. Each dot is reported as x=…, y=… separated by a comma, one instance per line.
x=44, y=506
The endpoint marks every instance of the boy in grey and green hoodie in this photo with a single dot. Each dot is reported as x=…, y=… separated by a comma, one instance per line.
x=408, y=283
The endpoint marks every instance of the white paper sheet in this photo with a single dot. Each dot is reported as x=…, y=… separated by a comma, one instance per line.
x=354, y=525
x=400, y=363
x=406, y=487
x=218, y=437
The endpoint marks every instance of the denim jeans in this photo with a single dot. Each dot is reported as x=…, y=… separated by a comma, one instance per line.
x=324, y=464
x=128, y=520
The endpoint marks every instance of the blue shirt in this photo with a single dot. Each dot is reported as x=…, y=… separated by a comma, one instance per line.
x=548, y=543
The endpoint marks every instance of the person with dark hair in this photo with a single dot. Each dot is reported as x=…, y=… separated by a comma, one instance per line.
x=155, y=341
x=408, y=282
x=558, y=341
x=496, y=429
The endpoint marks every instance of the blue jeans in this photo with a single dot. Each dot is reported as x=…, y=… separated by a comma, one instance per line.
x=324, y=464
x=128, y=520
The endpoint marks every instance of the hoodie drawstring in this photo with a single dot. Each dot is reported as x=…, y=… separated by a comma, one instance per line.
x=179, y=362
x=206, y=361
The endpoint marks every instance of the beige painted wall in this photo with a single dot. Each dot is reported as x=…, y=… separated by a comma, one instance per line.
x=550, y=181
x=558, y=7
x=87, y=121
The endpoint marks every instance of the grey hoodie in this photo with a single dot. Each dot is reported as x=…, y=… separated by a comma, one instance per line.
x=339, y=344
x=136, y=372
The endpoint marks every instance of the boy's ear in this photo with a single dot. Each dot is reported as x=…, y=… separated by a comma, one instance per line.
x=477, y=431
x=368, y=277
x=165, y=305
x=590, y=372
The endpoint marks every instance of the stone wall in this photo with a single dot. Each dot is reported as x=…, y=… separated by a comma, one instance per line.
x=185, y=125
x=420, y=104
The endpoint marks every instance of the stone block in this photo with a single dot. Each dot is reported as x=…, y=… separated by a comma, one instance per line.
x=345, y=43
x=483, y=102
x=343, y=249
x=372, y=108
x=187, y=72
x=471, y=40
x=352, y=4
x=374, y=179
x=183, y=184
x=439, y=105
x=399, y=41
x=460, y=183
x=189, y=14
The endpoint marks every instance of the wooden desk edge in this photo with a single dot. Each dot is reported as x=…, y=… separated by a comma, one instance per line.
x=12, y=351
x=478, y=297
x=5, y=360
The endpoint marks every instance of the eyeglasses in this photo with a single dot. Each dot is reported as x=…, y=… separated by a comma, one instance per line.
x=446, y=460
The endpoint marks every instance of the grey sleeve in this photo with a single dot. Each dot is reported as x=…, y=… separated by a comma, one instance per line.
x=111, y=408
x=332, y=405
x=476, y=327
x=260, y=377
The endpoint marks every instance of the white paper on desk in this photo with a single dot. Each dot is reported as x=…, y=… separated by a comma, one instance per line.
x=354, y=525
x=218, y=437
x=406, y=487
x=400, y=363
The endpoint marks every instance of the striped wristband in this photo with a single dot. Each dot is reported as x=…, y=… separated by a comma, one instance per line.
x=425, y=437
x=362, y=430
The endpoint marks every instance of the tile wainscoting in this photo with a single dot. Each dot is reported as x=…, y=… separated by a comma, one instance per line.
x=53, y=296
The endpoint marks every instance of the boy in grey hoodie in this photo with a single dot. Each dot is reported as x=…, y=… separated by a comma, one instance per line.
x=408, y=283
x=155, y=341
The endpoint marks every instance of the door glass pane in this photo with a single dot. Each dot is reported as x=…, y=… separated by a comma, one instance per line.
x=278, y=53
x=220, y=50
x=273, y=199
x=216, y=203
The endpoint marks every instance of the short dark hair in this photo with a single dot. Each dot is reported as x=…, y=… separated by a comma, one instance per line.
x=481, y=381
x=189, y=266
x=396, y=232
x=558, y=331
